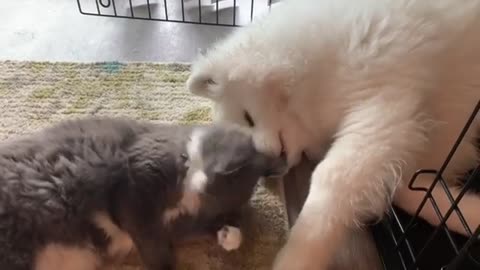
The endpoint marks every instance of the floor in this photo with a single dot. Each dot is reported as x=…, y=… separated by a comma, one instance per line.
x=54, y=30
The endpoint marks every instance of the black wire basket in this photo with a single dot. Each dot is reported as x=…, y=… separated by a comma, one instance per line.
x=209, y=12
x=406, y=242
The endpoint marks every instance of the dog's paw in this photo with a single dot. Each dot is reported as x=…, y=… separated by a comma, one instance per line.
x=295, y=256
x=230, y=238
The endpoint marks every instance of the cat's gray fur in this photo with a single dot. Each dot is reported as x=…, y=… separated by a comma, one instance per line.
x=53, y=181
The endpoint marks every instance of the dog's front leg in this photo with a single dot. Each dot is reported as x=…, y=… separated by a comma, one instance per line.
x=356, y=180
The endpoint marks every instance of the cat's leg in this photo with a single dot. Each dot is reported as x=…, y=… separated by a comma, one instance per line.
x=376, y=143
x=155, y=249
x=227, y=230
x=120, y=243
x=229, y=237
x=151, y=239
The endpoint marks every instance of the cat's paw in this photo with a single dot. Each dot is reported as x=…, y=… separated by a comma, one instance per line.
x=229, y=237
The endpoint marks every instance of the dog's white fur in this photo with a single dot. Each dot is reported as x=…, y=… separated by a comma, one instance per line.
x=389, y=82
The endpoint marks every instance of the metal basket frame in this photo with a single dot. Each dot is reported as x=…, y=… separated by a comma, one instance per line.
x=398, y=246
x=109, y=8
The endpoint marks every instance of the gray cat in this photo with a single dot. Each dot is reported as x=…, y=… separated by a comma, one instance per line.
x=82, y=193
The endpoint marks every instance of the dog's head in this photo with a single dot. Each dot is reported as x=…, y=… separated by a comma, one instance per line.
x=249, y=93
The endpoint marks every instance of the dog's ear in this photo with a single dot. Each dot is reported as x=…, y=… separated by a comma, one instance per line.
x=203, y=80
x=202, y=84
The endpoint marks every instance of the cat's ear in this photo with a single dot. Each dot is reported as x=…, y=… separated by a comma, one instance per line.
x=276, y=166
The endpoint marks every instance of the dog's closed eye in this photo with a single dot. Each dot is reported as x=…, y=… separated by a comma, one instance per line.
x=201, y=84
x=210, y=81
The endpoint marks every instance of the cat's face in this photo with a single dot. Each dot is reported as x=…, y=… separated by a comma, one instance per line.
x=224, y=166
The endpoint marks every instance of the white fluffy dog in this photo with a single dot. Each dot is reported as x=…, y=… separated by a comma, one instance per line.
x=387, y=84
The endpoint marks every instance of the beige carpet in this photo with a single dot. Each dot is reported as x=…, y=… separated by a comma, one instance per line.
x=36, y=94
